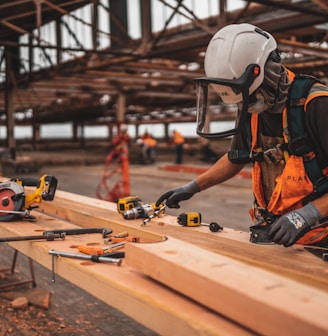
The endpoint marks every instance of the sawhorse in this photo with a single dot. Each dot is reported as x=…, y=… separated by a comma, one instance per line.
x=12, y=270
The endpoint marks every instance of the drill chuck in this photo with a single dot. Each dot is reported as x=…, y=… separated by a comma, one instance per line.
x=141, y=211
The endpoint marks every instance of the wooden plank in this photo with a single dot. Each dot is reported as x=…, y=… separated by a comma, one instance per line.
x=293, y=262
x=125, y=288
x=260, y=300
x=88, y=212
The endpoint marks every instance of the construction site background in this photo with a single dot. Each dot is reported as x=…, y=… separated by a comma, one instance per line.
x=59, y=152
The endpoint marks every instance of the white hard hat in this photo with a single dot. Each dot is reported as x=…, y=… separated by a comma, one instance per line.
x=231, y=50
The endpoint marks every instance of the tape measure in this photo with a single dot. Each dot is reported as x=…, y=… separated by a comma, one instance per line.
x=195, y=219
x=190, y=219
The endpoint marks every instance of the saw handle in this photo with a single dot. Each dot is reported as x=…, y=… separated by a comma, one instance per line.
x=27, y=181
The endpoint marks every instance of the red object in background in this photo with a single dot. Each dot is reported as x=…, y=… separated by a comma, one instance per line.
x=115, y=182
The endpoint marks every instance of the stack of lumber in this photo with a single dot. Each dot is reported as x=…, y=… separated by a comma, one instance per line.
x=184, y=281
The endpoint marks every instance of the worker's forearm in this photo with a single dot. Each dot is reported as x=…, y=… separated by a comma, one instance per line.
x=221, y=171
x=321, y=204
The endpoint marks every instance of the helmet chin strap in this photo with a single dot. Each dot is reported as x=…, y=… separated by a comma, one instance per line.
x=272, y=94
x=275, y=86
x=259, y=106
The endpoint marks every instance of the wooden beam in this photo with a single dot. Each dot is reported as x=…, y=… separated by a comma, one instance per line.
x=265, y=302
x=124, y=288
x=290, y=7
x=293, y=262
x=304, y=48
x=260, y=289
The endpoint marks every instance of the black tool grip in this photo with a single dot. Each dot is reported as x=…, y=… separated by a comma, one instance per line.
x=51, y=183
x=59, y=234
x=27, y=181
x=115, y=254
x=67, y=232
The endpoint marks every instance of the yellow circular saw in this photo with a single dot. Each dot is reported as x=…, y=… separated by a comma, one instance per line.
x=16, y=203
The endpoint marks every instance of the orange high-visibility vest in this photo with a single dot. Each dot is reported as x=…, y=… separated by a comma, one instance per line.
x=178, y=138
x=293, y=184
x=150, y=142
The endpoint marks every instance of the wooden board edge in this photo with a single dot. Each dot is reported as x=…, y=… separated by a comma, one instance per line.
x=292, y=262
x=148, y=302
x=253, y=297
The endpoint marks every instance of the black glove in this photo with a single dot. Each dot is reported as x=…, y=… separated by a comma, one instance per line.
x=174, y=196
x=293, y=225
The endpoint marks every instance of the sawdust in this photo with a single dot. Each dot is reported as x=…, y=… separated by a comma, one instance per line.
x=35, y=321
x=56, y=308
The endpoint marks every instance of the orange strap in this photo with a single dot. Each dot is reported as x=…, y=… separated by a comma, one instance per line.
x=254, y=130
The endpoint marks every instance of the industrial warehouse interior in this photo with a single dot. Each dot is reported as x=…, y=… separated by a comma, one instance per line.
x=133, y=62
x=81, y=83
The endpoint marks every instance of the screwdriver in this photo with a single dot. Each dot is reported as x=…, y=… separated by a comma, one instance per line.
x=132, y=239
x=100, y=250
x=122, y=234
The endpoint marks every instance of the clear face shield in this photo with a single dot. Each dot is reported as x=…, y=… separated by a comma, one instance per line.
x=219, y=100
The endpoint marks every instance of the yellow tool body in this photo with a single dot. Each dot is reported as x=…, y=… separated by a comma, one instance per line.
x=190, y=219
x=16, y=202
x=127, y=203
x=45, y=189
x=195, y=219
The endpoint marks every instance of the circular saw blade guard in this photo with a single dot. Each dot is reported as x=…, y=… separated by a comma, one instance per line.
x=12, y=198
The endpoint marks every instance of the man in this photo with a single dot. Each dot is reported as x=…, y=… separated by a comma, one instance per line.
x=243, y=70
x=150, y=145
x=178, y=141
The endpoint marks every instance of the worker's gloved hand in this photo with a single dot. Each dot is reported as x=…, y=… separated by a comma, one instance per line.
x=290, y=227
x=174, y=196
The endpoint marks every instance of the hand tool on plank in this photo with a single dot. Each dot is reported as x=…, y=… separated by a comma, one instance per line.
x=127, y=203
x=195, y=219
x=15, y=203
x=141, y=211
x=122, y=237
x=94, y=258
x=259, y=234
x=132, y=239
x=100, y=250
x=59, y=234
x=122, y=234
x=156, y=213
